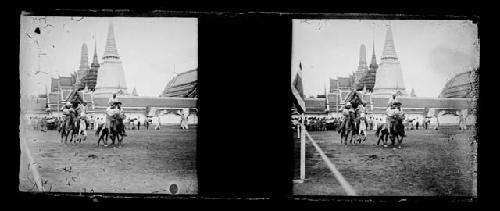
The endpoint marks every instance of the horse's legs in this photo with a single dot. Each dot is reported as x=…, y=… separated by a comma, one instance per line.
x=62, y=135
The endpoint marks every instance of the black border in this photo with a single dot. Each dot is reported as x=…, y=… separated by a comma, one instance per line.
x=238, y=36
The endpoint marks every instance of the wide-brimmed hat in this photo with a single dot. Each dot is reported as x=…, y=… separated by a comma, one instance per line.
x=348, y=103
x=68, y=103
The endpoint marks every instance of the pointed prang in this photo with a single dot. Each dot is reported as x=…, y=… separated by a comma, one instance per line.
x=84, y=59
x=362, y=55
x=374, y=57
x=95, y=61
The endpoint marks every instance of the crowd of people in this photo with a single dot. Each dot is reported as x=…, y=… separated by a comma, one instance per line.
x=370, y=121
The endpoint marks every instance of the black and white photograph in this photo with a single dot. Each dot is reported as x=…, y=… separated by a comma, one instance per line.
x=384, y=107
x=108, y=104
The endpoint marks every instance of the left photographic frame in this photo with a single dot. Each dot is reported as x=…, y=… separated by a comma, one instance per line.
x=108, y=104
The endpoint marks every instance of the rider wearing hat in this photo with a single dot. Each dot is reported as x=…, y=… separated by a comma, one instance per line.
x=346, y=111
x=67, y=111
x=112, y=100
x=113, y=109
x=394, y=109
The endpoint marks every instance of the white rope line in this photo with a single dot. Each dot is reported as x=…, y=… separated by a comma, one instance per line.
x=343, y=182
x=32, y=166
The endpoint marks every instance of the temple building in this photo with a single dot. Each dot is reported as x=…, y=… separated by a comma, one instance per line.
x=389, y=77
x=83, y=69
x=370, y=77
x=460, y=86
x=111, y=76
x=183, y=85
x=96, y=84
x=91, y=77
x=455, y=103
x=362, y=69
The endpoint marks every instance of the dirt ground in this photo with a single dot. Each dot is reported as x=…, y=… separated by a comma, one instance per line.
x=430, y=163
x=147, y=162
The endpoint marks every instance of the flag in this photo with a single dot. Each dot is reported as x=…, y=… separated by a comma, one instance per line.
x=297, y=90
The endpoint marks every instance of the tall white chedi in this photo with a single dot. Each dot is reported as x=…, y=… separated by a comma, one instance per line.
x=389, y=78
x=111, y=77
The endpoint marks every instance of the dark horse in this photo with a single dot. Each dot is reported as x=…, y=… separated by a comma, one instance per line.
x=382, y=134
x=104, y=134
x=397, y=131
x=67, y=128
x=115, y=130
x=350, y=127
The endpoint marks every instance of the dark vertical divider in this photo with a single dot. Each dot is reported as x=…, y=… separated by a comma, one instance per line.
x=244, y=143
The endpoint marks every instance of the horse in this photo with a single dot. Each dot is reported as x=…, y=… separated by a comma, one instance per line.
x=117, y=128
x=382, y=134
x=67, y=128
x=104, y=135
x=397, y=132
x=349, y=127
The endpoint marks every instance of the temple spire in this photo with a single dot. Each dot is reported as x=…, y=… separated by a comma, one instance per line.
x=110, y=49
x=95, y=61
x=389, y=76
x=362, y=55
x=374, y=57
x=389, y=49
x=84, y=59
x=111, y=76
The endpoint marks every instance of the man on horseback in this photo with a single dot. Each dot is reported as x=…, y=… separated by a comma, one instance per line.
x=113, y=111
x=394, y=111
x=68, y=114
x=347, y=110
x=355, y=98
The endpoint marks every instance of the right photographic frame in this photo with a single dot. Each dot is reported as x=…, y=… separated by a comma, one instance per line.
x=384, y=107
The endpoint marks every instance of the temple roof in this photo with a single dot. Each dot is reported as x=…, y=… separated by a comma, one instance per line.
x=459, y=86
x=182, y=85
x=140, y=101
x=315, y=105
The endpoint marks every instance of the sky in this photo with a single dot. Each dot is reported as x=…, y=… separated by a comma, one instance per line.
x=430, y=51
x=152, y=49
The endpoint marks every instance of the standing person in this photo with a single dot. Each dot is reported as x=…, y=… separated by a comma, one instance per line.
x=112, y=100
x=138, y=124
x=416, y=124
x=158, y=123
x=147, y=123
x=362, y=124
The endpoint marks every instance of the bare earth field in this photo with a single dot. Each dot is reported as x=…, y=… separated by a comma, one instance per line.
x=147, y=162
x=430, y=163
